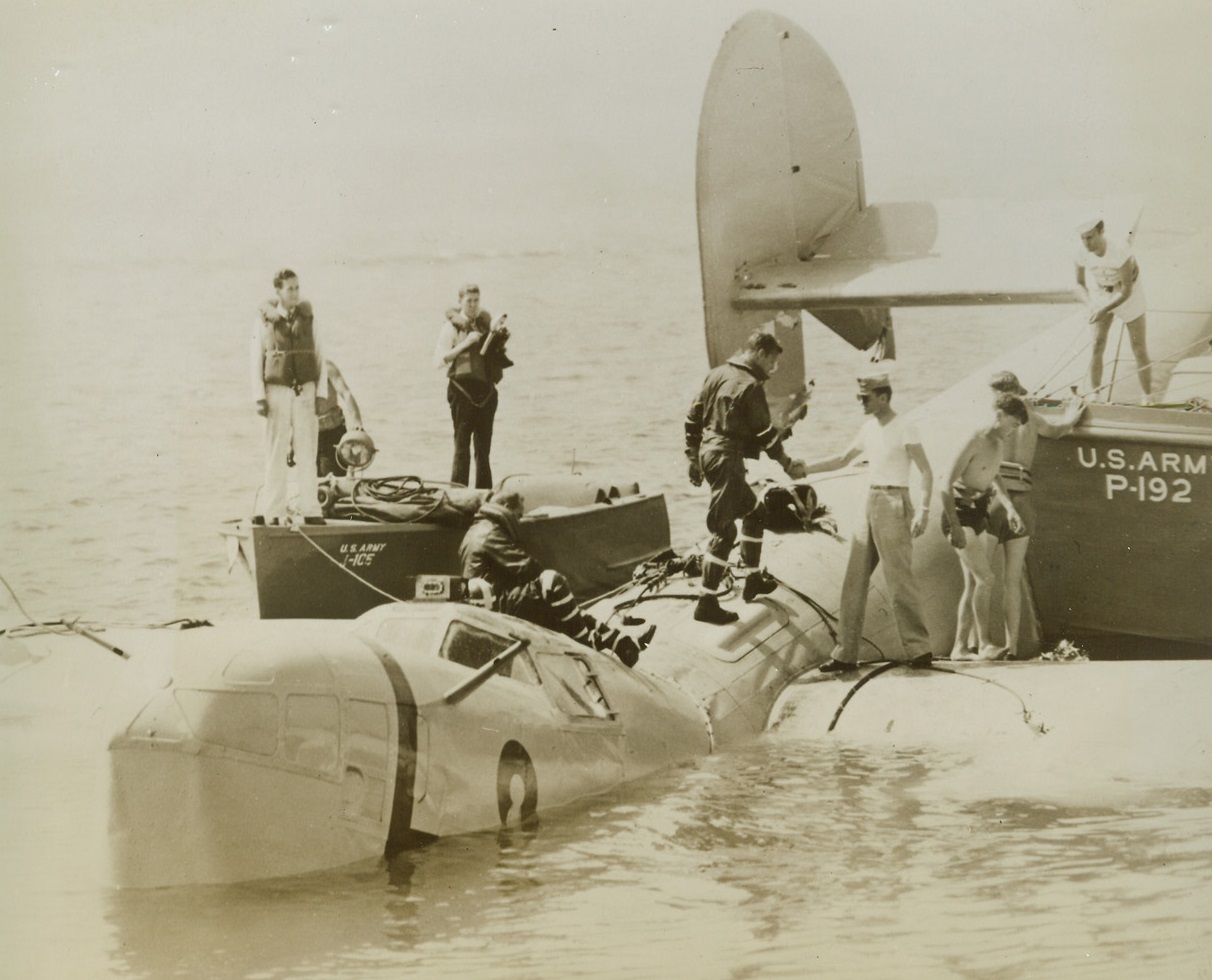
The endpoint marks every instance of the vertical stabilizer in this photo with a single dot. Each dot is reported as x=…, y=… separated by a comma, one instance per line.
x=779, y=169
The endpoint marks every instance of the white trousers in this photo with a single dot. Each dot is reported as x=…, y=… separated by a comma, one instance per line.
x=290, y=420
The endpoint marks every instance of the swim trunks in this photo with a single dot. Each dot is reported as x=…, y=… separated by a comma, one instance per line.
x=972, y=506
x=999, y=521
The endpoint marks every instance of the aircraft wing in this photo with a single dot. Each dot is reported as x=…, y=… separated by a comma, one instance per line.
x=939, y=253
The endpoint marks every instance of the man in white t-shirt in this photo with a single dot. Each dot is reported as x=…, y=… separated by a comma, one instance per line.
x=890, y=444
x=1108, y=282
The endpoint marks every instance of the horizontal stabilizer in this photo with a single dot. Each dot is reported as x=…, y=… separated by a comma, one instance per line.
x=943, y=253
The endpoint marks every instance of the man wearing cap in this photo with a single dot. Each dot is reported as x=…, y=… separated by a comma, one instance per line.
x=1015, y=475
x=471, y=350
x=728, y=423
x=890, y=444
x=287, y=371
x=1108, y=282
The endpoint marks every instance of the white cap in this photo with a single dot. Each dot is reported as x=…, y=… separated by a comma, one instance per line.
x=877, y=375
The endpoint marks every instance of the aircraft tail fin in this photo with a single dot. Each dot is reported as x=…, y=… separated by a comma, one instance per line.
x=784, y=224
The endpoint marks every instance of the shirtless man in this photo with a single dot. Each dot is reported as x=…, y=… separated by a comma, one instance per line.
x=1016, y=480
x=1108, y=283
x=972, y=484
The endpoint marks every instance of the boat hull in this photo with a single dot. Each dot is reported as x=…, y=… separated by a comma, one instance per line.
x=342, y=569
x=1125, y=530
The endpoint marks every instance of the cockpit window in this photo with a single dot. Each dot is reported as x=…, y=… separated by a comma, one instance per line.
x=473, y=647
x=409, y=633
x=573, y=685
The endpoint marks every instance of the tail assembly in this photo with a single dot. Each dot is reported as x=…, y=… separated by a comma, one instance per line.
x=779, y=170
x=784, y=224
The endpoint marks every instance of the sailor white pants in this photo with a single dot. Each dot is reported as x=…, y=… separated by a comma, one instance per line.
x=290, y=421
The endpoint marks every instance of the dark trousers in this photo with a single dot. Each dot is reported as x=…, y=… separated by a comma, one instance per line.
x=326, y=454
x=548, y=602
x=473, y=407
x=732, y=499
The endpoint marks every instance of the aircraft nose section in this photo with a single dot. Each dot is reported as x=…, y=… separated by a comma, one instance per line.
x=254, y=760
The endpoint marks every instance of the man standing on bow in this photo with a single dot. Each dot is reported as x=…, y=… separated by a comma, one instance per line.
x=471, y=350
x=728, y=423
x=287, y=371
x=890, y=443
x=1108, y=282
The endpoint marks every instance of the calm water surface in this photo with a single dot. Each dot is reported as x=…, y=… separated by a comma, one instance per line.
x=788, y=857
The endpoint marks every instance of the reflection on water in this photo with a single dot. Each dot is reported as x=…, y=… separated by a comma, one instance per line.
x=788, y=858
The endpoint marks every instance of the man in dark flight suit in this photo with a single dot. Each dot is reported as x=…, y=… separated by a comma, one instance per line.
x=727, y=423
x=520, y=587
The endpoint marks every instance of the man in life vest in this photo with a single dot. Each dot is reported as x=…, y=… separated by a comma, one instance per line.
x=728, y=423
x=491, y=552
x=471, y=350
x=334, y=409
x=287, y=370
x=1108, y=282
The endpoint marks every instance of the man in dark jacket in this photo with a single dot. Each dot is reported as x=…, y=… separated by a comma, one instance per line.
x=728, y=423
x=519, y=586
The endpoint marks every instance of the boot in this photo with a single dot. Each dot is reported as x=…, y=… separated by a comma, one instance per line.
x=708, y=610
x=758, y=583
x=627, y=650
x=625, y=647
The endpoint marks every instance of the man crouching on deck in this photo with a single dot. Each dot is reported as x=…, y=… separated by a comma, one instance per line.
x=518, y=586
x=971, y=487
x=727, y=423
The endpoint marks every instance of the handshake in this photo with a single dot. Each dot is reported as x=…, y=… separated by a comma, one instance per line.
x=796, y=469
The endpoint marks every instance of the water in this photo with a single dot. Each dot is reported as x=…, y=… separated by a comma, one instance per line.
x=788, y=857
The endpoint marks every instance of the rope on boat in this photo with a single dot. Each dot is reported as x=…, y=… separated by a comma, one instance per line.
x=398, y=490
x=1172, y=355
x=348, y=571
x=1072, y=357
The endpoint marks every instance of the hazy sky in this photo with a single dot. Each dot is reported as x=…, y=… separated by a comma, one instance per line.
x=218, y=130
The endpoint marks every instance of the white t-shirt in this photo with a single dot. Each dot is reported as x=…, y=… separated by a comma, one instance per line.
x=1102, y=271
x=884, y=447
x=1103, y=279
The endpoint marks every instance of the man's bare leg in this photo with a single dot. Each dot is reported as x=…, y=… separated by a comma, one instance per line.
x=976, y=559
x=965, y=623
x=1140, y=350
x=1016, y=560
x=1098, y=349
